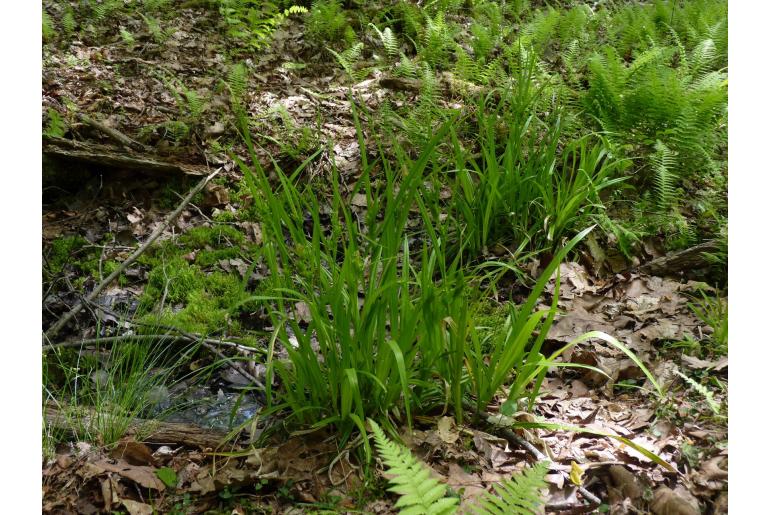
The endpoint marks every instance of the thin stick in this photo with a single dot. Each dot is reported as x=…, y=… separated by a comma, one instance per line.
x=112, y=133
x=55, y=328
x=107, y=340
x=236, y=366
x=514, y=439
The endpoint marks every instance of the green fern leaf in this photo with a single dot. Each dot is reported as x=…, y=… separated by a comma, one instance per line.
x=406, y=68
x=684, y=64
x=389, y=41
x=127, y=37
x=664, y=164
x=705, y=392
x=420, y=493
x=68, y=22
x=518, y=495
x=237, y=80
x=105, y=9
x=194, y=103
x=49, y=31
x=348, y=59
x=702, y=57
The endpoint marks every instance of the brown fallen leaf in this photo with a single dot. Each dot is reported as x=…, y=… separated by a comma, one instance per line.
x=720, y=505
x=697, y=363
x=108, y=494
x=137, y=508
x=253, y=231
x=64, y=461
x=673, y=502
x=133, y=452
x=626, y=482
x=446, y=430
x=303, y=312
x=470, y=484
x=359, y=200
x=215, y=195
x=141, y=475
x=711, y=470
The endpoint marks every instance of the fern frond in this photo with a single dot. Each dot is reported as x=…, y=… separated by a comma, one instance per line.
x=389, y=41
x=702, y=57
x=349, y=58
x=127, y=37
x=648, y=56
x=49, y=31
x=68, y=22
x=718, y=34
x=684, y=64
x=237, y=81
x=707, y=394
x=104, y=9
x=466, y=68
x=406, y=68
x=195, y=103
x=436, y=40
x=664, y=164
x=570, y=59
x=483, y=40
x=420, y=493
x=176, y=130
x=519, y=495
x=295, y=9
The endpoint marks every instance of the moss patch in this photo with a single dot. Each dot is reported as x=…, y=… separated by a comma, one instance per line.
x=215, y=236
x=61, y=252
x=193, y=300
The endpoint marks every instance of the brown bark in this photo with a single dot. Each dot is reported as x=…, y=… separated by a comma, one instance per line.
x=160, y=433
x=108, y=156
x=688, y=259
x=449, y=84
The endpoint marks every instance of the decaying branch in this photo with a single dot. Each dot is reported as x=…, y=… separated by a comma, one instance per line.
x=109, y=340
x=160, y=433
x=448, y=83
x=112, y=133
x=62, y=148
x=693, y=258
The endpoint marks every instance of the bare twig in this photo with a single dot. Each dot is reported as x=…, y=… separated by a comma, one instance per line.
x=55, y=328
x=515, y=440
x=108, y=340
x=236, y=366
x=112, y=133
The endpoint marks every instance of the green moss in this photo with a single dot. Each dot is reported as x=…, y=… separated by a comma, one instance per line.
x=491, y=314
x=224, y=217
x=202, y=315
x=61, y=252
x=215, y=236
x=207, y=300
x=177, y=278
x=70, y=252
x=206, y=258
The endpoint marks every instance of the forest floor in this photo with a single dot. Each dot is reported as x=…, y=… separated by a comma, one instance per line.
x=167, y=87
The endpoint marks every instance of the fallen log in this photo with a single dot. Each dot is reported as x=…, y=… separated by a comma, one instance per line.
x=148, y=431
x=448, y=83
x=103, y=155
x=694, y=258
